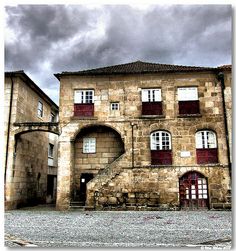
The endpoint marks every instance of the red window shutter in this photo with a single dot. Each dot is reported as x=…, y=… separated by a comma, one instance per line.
x=189, y=107
x=84, y=110
x=161, y=157
x=151, y=108
x=207, y=156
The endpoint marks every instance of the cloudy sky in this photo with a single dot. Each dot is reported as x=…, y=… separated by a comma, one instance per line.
x=46, y=39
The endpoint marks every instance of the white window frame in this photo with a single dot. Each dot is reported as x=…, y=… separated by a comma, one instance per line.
x=40, y=109
x=205, y=139
x=160, y=140
x=84, y=96
x=115, y=106
x=89, y=145
x=151, y=95
x=187, y=93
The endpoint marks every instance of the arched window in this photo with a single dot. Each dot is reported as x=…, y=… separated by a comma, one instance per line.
x=206, y=147
x=161, y=148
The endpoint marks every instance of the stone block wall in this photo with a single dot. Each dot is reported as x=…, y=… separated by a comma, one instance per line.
x=27, y=160
x=161, y=181
x=157, y=188
x=109, y=146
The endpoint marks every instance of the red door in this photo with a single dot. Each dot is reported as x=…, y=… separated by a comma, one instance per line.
x=193, y=191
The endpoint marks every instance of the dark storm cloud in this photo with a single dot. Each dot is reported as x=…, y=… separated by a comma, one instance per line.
x=56, y=38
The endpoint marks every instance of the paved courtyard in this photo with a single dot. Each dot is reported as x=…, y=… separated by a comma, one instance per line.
x=50, y=228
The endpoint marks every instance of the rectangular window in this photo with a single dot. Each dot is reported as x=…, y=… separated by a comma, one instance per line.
x=84, y=103
x=151, y=95
x=84, y=96
x=40, y=109
x=115, y=106
x=151, y=102
x=52, y=117
x=50, y=150
x=89, y=145
x=188, y=100
x=187, y=93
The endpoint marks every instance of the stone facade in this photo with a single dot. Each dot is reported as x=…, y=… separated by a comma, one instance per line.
x=26, y=152
x=131, y=181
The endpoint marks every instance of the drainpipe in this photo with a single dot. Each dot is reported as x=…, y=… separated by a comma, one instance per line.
x=132, y=131
x=221, y=78
x=8, y=129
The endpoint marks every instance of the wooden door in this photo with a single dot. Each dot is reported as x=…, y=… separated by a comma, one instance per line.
x=193, y=191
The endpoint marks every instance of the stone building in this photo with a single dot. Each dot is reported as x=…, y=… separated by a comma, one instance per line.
x=30, y=133
x=145, y=136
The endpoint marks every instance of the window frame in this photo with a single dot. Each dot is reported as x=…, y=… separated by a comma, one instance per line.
x=117, y=104
x=151, y=95
x=191, y=93
x=203, y=141
x=40, y=109
x=155, y=146
x=84, y=96
x=89, y=145
x=50, y=150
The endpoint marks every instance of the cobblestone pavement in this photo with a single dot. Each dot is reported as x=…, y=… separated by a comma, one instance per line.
x=50, y=228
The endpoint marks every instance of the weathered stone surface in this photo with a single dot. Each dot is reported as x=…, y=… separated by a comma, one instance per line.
x=132, y=172
x=27, y=165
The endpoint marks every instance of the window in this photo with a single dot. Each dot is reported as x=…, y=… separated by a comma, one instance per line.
x=115, y=106
x=52, y=117
x=206, y=139
x=188, y=100
x=151, y=102
x=84, y=103
x=84, y=96
x=40, y=109
x=151, y=95
x=50, y=150
x=161, y=153
x=50, y=154
x=206, y=147
x=89, y=145
x=160, y=140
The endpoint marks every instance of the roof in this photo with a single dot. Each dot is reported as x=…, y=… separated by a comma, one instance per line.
x=134, y=68
x=225, y=67
x=32, y=85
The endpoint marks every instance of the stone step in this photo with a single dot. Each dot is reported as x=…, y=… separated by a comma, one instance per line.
x=77, y=205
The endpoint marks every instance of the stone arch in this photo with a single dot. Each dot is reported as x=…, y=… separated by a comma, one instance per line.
x=26, y=127
x=191, y=171
x=78, y=130
x=206, y=126
x=96, y=146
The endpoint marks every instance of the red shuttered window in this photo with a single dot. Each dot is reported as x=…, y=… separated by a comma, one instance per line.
x=161, y=153
x=188, y=100
x=84, y=103
x=151, y=102
x=206, y=147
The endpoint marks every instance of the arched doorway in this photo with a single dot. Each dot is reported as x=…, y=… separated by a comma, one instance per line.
x=96, y=147
x=193, y=189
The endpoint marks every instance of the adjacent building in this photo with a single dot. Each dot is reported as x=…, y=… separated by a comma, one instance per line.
x=30, y=133
x=145, y=136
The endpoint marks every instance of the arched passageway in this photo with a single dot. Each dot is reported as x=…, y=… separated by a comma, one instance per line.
x=95, y=147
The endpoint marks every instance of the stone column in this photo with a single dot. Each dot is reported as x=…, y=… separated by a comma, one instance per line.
x=64, y=177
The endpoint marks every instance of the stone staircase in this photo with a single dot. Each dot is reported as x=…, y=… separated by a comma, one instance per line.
x=105, y=176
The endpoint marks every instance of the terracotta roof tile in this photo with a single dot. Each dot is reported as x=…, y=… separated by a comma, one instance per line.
x=136, y=67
